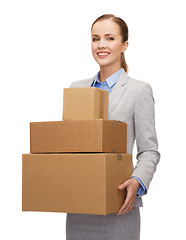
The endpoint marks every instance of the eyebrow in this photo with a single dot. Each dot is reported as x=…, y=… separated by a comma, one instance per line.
x=105, y=34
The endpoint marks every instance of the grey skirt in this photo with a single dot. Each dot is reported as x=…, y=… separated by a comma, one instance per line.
x=100, y=227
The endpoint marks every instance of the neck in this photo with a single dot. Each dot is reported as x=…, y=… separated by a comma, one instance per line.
x=107, y=71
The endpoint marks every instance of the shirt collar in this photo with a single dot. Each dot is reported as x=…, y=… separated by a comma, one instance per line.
x=110, y=80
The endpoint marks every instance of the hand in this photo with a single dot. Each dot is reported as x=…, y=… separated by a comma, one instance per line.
x=132, y=186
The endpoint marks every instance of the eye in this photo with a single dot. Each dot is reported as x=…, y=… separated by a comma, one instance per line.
x=111, y=38
x=95, y=39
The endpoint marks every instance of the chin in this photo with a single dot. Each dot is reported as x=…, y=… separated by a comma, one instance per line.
x=103, y=64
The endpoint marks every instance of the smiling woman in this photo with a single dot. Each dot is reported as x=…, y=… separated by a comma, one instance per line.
x=130, y=101
x=108, y=46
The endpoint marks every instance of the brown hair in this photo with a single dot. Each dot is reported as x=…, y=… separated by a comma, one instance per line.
x=123, y=29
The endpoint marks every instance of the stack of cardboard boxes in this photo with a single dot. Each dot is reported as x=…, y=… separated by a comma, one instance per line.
x=76, y=165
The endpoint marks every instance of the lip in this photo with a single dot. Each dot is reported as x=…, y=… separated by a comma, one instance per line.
x=102, y=56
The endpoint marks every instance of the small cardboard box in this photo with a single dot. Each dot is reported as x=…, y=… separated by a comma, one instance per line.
x=74, y=183
x=85, y=103
x=78, y=136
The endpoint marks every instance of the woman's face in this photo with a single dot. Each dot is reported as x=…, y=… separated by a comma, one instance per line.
x=107, y=43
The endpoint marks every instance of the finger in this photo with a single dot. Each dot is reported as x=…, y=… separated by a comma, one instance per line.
x=129, y=207
x=125, y=205
x=123, y=185
x=124, y=208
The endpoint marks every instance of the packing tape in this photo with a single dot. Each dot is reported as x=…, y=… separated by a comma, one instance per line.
x=114, y=122
x=119, y=156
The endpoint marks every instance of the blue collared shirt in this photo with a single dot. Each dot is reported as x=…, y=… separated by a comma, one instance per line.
x=108, y=85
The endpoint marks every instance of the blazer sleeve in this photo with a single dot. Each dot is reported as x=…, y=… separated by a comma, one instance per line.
x=148, y=155
x=72, y=85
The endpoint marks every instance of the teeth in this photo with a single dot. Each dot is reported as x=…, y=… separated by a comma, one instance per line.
x=102, y=54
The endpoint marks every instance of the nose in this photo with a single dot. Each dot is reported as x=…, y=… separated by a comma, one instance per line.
x=101, y=43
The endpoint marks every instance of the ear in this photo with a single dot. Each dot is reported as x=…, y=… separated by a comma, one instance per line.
x=125, y=46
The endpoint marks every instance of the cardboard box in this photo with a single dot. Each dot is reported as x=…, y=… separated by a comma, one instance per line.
x=78, y=136
x=85, y=103
x=74, y=183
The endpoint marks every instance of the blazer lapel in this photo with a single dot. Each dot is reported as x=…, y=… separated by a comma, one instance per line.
x=117, y=91
x=89, y=82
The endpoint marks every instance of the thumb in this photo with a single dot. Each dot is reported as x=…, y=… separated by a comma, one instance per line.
x=123, y=185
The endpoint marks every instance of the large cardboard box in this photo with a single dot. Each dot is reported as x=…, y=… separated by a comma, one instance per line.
x=74, y=183
x=85, y=103
x=78, y=136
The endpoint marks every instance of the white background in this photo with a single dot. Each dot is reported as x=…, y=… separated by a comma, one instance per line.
x=44, y=46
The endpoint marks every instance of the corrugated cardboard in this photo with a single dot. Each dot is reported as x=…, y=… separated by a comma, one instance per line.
x=78, y=136
x=74, y=183
x=85, y=103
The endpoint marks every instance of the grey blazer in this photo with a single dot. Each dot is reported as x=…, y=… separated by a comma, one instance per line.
x=132, y=101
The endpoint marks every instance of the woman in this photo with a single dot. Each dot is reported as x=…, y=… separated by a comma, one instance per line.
x=130, y=101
